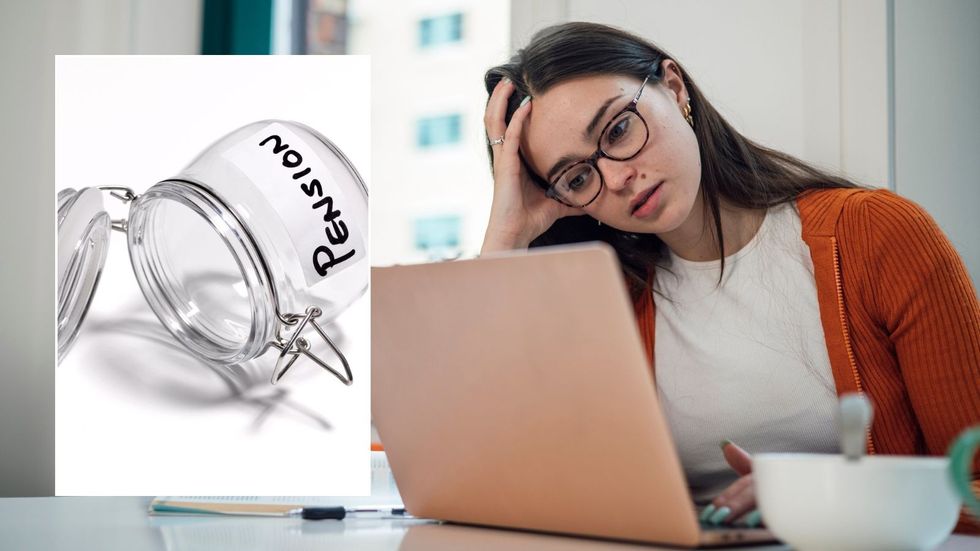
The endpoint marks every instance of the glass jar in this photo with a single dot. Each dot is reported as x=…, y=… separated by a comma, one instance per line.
x=262, y=237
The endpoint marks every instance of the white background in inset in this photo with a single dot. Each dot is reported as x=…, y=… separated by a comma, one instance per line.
x=136, y=414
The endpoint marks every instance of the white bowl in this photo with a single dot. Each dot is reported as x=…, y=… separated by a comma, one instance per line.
x=819, y=502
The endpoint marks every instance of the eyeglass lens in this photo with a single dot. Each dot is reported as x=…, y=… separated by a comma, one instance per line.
x=622, y=138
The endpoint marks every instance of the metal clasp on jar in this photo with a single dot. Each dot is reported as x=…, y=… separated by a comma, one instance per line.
x=295, y=345
x=127, y=196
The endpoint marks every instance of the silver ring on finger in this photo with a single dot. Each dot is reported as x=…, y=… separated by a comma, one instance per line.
x=496, y=141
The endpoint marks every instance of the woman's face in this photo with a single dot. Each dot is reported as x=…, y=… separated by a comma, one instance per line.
x=655, y=191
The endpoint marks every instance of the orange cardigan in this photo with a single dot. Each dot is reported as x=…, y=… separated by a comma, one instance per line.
x=900, y=317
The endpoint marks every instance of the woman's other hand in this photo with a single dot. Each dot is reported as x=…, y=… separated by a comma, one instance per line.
x=738, y=500
x=520, y=211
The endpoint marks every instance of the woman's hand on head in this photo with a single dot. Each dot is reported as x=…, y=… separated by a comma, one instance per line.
x=737, y=502
x=520, y=211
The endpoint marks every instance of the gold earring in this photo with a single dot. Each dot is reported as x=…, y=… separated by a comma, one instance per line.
x=687, y=114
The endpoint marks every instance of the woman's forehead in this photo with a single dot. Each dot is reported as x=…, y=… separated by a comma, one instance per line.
x=588, y=87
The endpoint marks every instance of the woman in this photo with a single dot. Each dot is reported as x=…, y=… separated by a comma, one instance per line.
x=770, y=286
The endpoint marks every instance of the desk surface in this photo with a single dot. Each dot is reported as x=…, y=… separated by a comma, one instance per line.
x=109, y=523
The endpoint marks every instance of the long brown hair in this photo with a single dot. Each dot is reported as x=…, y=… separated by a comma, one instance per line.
x=733, y=167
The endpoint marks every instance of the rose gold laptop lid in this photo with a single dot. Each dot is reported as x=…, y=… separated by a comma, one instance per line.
x=513, y=391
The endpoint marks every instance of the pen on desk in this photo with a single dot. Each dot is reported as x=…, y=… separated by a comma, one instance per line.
x=339, y=513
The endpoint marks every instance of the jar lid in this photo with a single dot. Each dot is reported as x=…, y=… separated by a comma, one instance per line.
x=83, y=239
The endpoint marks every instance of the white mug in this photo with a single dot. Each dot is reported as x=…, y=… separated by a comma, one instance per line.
x=816, y=501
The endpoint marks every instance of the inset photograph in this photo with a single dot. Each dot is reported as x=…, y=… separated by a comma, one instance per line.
x=212, y=270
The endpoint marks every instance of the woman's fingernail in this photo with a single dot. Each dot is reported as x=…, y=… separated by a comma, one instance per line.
x=720, y=515
x=753, y=519
x=525, y=100
x=706, y=513
x=724, y=443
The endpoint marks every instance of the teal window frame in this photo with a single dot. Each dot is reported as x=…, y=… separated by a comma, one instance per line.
x=441, y=29
x=439, y=130
x=237, y=27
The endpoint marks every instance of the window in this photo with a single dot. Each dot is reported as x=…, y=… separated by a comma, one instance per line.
x=443, y=29
x=439, y=130
x=438, y=236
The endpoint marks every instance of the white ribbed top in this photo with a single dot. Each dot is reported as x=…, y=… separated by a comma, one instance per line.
x=744, y=361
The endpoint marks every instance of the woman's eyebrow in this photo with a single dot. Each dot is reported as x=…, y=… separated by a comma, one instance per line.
x=598, y=116
x=587, y=134
x=560, y=164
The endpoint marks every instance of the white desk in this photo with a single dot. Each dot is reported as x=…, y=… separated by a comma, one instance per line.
x=108, y=523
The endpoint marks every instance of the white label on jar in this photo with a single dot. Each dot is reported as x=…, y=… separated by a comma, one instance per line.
x=313, y=207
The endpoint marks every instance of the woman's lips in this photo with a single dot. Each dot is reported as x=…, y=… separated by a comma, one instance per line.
x=647, y=202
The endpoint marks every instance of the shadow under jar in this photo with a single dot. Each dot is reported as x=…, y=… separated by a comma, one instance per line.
x=262, y=238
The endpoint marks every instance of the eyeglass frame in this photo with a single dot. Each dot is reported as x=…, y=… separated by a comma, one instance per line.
x=593, y=160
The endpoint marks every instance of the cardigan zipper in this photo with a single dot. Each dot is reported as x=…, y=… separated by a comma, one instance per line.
x=847, y=335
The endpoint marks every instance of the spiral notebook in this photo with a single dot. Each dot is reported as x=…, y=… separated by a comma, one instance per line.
x=384, y=495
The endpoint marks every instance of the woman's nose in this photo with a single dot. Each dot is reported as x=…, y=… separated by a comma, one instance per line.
x=616, y=174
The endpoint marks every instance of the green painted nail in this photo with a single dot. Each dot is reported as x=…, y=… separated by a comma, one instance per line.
x=753, y=519
x=720, y=515
x=706, y=513
x=724, y=443
x=525, y=100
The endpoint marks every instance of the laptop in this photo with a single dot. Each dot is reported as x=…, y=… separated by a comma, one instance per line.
x=513, y=391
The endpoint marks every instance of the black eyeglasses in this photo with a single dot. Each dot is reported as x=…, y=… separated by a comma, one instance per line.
x=623, y=137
